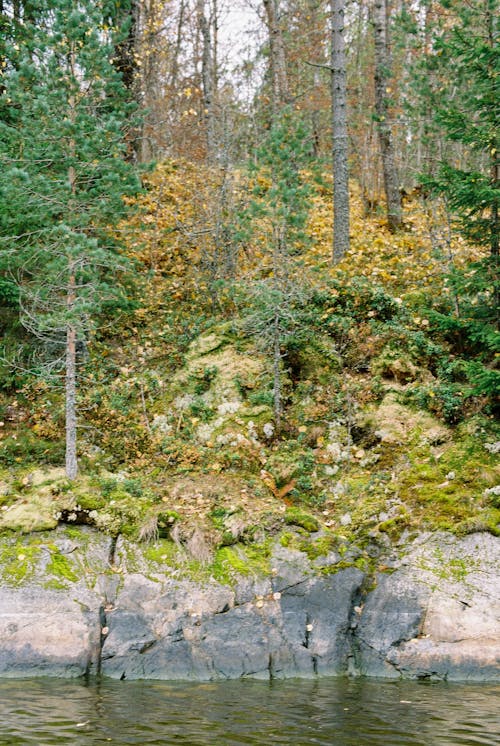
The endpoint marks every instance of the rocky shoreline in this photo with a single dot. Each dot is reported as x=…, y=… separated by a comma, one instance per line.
x=428, y=610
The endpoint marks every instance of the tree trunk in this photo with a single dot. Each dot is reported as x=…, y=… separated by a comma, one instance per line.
x=3, y=37
x=382, y=89
x=125, y=61
x=125, y=49
x=174, y=71
x=277, y=396
x=339, y=134
x=70, y=409
x=214, y=26
x=207, y=79
x=280, y=94
x=71, y=457
x=494, y=146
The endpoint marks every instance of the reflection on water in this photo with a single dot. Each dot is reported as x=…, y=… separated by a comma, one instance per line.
x=299, y=712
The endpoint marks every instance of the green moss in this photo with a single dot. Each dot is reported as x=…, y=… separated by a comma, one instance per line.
x=218, y=516
x=365, y=564
x=166, y=520
x=394, y=527
x=488, y=520
x=60, y=566
x=76, y=534
x=297, y=517
x=319, y=547
x=91, y=500
x=32, y=513
x=18, y=561
x=394, y=363
x=444, y=487
x=231, y=562
x=227, y=565
x=334, y=569
x=119, y=513
x=450, y=568
x=287, y=539
x=163, y=552
x=7, y=498
x=55, y=585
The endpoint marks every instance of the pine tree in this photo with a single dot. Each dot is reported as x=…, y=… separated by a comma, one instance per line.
x=63, y=174
x=461, y=75
x=463, y=67
x=280, y=201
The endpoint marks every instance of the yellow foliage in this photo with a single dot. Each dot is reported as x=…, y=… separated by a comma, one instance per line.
x=172, y=234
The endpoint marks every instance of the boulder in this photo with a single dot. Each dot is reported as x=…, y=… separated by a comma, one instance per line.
x=438, y=615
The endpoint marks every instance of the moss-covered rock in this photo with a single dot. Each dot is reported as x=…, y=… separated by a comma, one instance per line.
x=39, y=513
x=297, y=517
x=396, y=424
x=18, y=559
x=205, y=344
x=393, y=363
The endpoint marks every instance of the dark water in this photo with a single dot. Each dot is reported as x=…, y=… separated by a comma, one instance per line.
x=328, y=711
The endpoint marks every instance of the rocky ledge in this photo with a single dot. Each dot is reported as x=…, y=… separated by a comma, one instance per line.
x=91, y=605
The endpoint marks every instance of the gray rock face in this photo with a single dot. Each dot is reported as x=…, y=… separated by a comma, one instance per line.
x=188, y=632
x=48, y=634
x=50, y=626
x=436, y=616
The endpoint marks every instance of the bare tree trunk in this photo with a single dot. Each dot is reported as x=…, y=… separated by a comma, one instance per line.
x=71, y=457
x=494, y=165
x=70, y=389
x=3, y=37
x=207, y=78
x=382, y=89
x=315, y=118
x=277, y=395
x=149, y=83
x=214, y=26
x=339, y=134
x=174, y=72
x=280, y=94
x=125, y=61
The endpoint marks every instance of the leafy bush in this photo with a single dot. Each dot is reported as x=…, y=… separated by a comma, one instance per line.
x=361, y=300
x=199, y=408
x=261, y=398
x=203, y=384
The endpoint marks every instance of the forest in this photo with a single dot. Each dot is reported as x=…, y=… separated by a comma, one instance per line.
x=249, y=272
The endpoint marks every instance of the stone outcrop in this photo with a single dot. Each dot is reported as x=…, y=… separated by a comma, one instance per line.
x=434, y=614
x=438, y=616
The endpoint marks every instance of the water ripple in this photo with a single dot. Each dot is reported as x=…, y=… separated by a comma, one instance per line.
x=327, y=712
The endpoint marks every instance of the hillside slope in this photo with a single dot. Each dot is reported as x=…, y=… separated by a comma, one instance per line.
x=387, y=390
